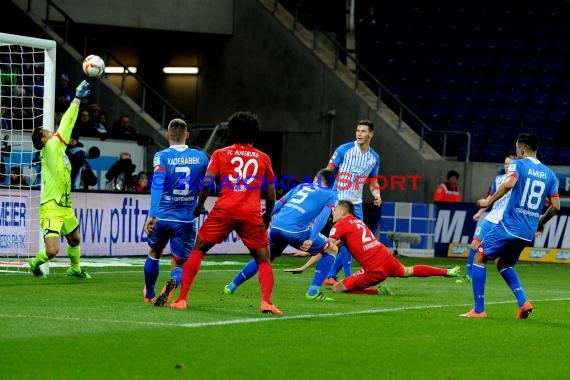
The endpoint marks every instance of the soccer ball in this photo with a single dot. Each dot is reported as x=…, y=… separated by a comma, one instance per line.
x=93, y=66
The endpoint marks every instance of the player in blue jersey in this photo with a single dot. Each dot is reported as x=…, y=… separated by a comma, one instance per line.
x=490, y=220
x=530, y=183
x=178, y=171
x=298, y=218
x=355, y=164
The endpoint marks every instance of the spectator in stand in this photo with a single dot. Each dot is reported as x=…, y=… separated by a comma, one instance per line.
x=60, y=102
x=120, y=174
x=448, y=191
x=64, y=87
x=141, y=185
x=16, y=177
x=123, y=130
x=83, y=125
x=94, y=128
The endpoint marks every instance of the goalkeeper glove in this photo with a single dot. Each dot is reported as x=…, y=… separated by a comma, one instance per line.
x=83, y=90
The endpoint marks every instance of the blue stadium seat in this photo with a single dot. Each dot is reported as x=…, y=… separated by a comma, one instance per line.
x=524, y=81
x=535, y=118
x=549, y=136
x=475, y=79
x=548, y=154
x=516, y=99
x=541, y=99
x=500, y=80
x=495, y=152
x=562, y=100
x=530, y=64
x=503, y=134
x=547, y=81
x=492, y=97
x=444, y=95
x=469, y=96
x=563, y=157
x=555, y=116
x=479, y=133
x=485, y=114
x=510, y=116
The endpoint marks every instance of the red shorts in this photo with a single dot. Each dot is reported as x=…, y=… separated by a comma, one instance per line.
x=250, y=229
x=363, y=279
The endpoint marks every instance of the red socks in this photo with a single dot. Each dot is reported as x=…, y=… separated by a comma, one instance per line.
x=428, y=271
x=266, y=280
x=189, y=273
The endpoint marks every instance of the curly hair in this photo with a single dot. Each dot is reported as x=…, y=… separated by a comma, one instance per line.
x=243, y=127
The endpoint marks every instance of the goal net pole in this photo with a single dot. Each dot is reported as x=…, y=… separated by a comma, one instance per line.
x=24, y=61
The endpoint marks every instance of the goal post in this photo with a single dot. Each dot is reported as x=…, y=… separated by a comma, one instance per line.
x=27, y=100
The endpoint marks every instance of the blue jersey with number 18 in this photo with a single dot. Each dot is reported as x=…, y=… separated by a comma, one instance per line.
x=178, y=171
x=535, y=182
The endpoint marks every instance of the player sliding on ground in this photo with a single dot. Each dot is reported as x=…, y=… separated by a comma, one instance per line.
x=375, y=259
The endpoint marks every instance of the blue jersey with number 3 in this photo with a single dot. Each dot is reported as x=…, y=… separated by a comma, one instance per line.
x=535, y=182
x=178, y=171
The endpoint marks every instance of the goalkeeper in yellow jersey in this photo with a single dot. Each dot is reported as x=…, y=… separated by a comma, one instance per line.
x=56, y=215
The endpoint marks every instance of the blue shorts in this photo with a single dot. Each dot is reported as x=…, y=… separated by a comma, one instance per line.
x=482, y=229
x=280, y=239
x=498, y=243
x=181, y=236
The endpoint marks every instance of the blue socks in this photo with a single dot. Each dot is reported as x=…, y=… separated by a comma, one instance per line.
x=343, y=260
x=245, y=274
x=151, y=270
x=479, y=273
x=468, y=267
x=176, y=274
x=512, y=279
x=321, y=271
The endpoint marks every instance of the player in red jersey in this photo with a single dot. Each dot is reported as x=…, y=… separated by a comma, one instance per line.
x=375, y=259
x=242, y=172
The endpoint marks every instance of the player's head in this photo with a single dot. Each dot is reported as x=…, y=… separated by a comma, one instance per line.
x=510, y=158
x=364, y=132
x=40, y=136
x=342, y=209
x=527, y=145
x=243, y=127
x=325, y=178
x=177, y=131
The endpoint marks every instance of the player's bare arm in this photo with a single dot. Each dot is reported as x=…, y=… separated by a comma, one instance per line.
x=269, y=204
x=509, y=183
x=375, y=191
x=149, y=225
x=205, y=188
x=552, y=210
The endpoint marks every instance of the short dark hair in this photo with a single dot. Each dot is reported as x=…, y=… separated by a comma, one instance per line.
x=347, y=205
x=243, y=127
x=368, y=123
x=37, y=135
x=530, y=140
x=326, y=177
x=452, y=173
x=177, y=128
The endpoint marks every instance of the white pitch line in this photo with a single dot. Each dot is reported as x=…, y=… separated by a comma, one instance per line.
x=263, y=319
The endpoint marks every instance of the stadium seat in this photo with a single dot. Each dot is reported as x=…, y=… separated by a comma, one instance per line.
x=523, y=81
x=516, y=99
x=495, y=152
x=563, y=157
x=547, y=82
x=510, y=116
x=541, y=99
x=534, y=118
x=554, y=117
x=548, y=154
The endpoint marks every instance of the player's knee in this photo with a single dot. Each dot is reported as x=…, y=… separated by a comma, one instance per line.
x=475, y=244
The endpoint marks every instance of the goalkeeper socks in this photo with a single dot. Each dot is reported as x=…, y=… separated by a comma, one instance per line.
x=321, y=270
x=74, y=253
x=151, y=271
x=427, y=271
x=478, y=283
x=189, y=273
x=41, y=258
x=470, y=258
x=245, y=274
x=176, y=274
x=512, y=279
x=266, y=280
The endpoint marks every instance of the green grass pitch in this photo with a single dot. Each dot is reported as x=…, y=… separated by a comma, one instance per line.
x=67, y=328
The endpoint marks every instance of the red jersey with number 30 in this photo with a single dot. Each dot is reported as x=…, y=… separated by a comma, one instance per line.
x=243, y=172
x=361, y=243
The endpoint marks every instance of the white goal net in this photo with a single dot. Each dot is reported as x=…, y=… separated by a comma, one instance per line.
x=27, y=82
